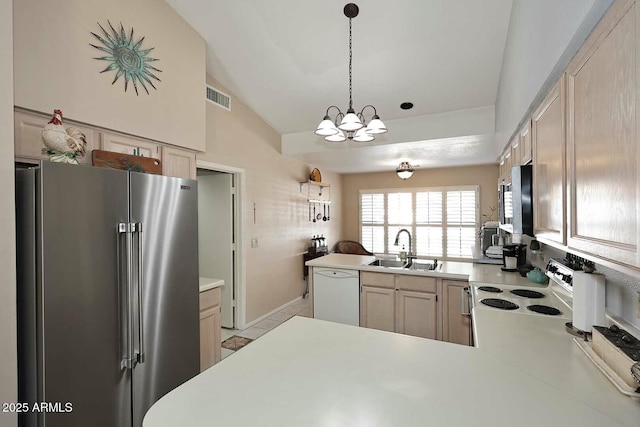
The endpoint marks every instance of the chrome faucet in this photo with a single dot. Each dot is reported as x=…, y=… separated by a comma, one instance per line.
x=410, y=254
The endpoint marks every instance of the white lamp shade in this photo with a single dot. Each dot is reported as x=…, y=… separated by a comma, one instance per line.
x=326, y=128
x=338, y=137
x=376, y=126
x=350, y=122
x=363, y=136
x=404, y=174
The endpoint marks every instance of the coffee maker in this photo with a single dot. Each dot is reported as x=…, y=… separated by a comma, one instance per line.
x=514, y=256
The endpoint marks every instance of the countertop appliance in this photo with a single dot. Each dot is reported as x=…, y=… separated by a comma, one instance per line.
x=107, y=292
x=514, y=256
x=336, y=295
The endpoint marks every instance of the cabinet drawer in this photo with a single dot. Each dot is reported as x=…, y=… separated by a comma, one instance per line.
x=210, y=298
x=380, y=280
x=416, y=283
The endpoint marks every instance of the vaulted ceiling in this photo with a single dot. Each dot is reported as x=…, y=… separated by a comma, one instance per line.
x=288, y=61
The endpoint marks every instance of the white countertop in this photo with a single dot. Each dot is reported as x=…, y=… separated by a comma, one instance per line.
x=207, y=283
x=539, y=346
x=474, y=273
x=319, y=374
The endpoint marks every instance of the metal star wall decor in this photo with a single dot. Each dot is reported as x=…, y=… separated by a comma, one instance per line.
x=127, y=59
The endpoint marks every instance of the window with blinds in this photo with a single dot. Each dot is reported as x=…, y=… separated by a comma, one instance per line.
x=442, y=221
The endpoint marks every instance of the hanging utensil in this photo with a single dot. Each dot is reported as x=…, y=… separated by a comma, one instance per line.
x=314, y=212
x=324, y=208
x=309, y=212
x=328, y=212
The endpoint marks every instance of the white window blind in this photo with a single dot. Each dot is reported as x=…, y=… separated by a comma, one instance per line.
x=373, y=222
x=442, y=221
x=461, y=222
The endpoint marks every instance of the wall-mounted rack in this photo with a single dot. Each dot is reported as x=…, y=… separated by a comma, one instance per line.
x=317, y=192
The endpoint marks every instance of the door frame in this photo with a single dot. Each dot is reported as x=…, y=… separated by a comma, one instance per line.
x=240, y=248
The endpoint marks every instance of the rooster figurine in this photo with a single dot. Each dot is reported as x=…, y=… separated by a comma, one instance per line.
x=63, y=145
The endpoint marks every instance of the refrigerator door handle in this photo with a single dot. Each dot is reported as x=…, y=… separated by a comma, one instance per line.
x=137, y=228
x=125, y=230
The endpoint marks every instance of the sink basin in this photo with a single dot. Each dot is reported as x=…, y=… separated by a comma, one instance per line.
x=389, y=263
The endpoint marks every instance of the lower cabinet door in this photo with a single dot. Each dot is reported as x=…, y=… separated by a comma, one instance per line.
x=377, y=306
x=456, y=322
x=416, y=314
x=210, y=336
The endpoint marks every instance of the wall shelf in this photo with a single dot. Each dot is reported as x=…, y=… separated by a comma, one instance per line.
x=317, y=192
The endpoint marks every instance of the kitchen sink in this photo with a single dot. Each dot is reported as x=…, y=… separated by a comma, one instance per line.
x=389, y=263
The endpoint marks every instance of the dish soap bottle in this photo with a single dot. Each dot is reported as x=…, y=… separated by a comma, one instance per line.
x=403, y=254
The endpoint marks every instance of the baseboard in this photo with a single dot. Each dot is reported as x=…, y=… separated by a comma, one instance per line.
x=274, y=311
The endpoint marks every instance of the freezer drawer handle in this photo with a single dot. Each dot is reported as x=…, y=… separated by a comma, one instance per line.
x=124, y=229
x=137, y=228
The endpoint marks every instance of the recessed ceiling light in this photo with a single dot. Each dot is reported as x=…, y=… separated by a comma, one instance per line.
x=406, y=105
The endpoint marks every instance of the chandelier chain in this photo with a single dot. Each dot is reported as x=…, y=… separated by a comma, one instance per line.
x=350, y=73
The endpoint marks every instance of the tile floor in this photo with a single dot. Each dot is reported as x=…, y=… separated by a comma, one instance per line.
x=301, y=307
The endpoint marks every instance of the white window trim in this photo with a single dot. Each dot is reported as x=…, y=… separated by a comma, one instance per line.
x=413, y=191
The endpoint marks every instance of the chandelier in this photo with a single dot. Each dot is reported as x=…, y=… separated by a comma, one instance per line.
x=350, y=126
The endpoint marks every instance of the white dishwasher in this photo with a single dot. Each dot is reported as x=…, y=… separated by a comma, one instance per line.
x=336, y=295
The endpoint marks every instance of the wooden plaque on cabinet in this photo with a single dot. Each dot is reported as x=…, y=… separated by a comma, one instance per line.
x=109, y=159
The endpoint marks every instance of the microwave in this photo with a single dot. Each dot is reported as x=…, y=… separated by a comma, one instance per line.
x=515, y=201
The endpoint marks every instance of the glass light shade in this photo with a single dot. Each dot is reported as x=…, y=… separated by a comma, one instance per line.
x=376, y=126
x=405, y=170
x=351, y=122
x=326, y=127
x=363, y=136
x=338, y=137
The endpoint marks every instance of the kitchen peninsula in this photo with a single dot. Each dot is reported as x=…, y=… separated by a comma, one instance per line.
x=525, y=371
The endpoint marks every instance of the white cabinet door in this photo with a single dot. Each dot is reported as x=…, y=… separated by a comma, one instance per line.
x=179, y=163
x=549, y=189
x=28, y=140
x=129, y=145
x=604, y=125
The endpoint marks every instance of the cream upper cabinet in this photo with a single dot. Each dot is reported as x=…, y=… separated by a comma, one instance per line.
x=603, y=130
x=28, y=143
x=456, y=314
x=416, y=314
x=129, y=145
x=179, y=163
x=549, y=190
x=525, y=155
x=377, y=308
x=515, y=151
x=507, y=166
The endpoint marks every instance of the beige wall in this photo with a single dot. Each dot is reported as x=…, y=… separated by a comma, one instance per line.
x=242, y=139
x=54, y=67
x=8, y=369
x=486, y=176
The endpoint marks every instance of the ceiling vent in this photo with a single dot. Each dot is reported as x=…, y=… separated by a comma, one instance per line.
x=218, y=98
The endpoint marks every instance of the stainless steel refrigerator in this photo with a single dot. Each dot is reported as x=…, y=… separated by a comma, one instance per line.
x=107, y=293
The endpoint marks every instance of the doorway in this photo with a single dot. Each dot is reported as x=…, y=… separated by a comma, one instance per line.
x=219, y=230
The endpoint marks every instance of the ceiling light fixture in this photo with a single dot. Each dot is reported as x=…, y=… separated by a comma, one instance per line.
x=405, y=170
x=350, y=126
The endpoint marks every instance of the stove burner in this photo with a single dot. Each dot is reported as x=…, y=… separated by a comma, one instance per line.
x=500, y=303
x=526, y=293
x=544, y=309
x=491, y=289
